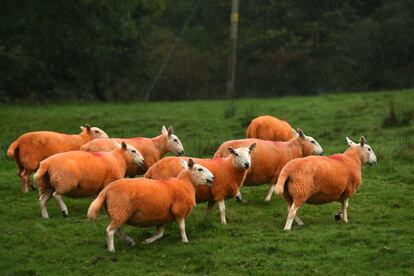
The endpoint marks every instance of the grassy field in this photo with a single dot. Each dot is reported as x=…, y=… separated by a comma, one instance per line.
x=379, y=237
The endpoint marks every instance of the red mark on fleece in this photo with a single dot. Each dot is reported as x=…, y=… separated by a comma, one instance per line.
x=218, y=160
x=338, y=157
x=98, y=153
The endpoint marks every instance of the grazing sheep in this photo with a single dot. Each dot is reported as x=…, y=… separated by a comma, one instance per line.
x=152, y=149
x=31, y=148
x=81, y=174
x=144, y=202
x=229, y=175
x=270, y=128
x=323, y=179
x=270, y=157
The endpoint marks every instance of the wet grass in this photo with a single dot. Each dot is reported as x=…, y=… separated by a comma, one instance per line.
x=378, y=239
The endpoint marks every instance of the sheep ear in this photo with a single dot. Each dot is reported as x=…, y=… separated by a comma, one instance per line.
x=252, y=147
x=231, y=150
x=183, y=164
x=300, y=133
x=294, y=133
x=170, y=130
x=362, y=141
x=349, y=141
x=88, y=127
x=190, y=163
x=123, y=146
x=164, y=130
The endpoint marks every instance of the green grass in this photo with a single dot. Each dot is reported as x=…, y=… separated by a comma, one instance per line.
x=379, y=237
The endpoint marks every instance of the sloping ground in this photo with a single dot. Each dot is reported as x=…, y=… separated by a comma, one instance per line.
x=379, y=237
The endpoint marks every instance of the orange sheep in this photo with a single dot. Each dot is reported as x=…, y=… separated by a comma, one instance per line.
x=144, y=202
x=323, y=179
x=270, y=157
x=81, y=174
x=229, y=175
x=152, y=149
x=270, y=128
x=31, y=148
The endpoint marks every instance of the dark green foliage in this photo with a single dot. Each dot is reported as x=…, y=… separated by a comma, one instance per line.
x=112, y=50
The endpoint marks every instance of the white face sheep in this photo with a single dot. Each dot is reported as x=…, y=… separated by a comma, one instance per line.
x=323, y=179
x=81, y=174
x=31, y=148
x=229, y=173
x=145, y=202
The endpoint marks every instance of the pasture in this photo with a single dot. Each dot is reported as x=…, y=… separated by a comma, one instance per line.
x=379, y=237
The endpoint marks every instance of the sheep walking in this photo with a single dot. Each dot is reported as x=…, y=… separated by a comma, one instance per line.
x=270, y=128
x=229, y=175
x=33, y=147
x=152, y=149
x=81, y=174
x=144, y=202
x=323, y=179
x=270, y=157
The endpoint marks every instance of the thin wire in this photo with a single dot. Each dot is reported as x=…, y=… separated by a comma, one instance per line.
x=170, y=52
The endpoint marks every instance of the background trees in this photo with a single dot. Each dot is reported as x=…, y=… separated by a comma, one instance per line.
x=111, y=50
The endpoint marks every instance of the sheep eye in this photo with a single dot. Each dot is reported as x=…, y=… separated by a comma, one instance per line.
x=200, y=170
x=96, y=131
x=313, y=142
x=134, y=151
x=237, y=154
x=369, y=149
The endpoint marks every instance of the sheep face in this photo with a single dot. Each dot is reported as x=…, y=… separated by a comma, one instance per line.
x=199, y=175
x=173, y=143
x=94, y=132
x=367, y=154
x=242, y=156
x=309, y=145
x=133, y=154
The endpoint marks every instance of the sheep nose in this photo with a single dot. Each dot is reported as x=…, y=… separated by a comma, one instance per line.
x=246, y=165
x=180, y=153
x=322, y=152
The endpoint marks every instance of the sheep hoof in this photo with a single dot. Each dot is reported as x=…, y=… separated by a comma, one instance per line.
x=65, y=214
x=33, y=187
x=338, y=216
x=131, y=243
x=241, y=200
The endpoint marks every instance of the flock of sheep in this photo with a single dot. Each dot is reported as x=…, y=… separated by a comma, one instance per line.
x=90, y=164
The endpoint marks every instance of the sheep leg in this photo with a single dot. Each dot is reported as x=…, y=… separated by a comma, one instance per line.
x=43, y=199
x=24, y=177
x=158, y=235
x=127, y=239
x=110, y=231
x=181, y=224
x=270, y=193
x=345, y=205
x=61, y=204
x=291, y=216
x=209, y=208
x=222, y=208
x=297, y=219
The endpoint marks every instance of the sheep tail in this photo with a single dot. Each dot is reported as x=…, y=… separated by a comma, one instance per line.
x=13, y=150
x=281, y=182
x=96, y=205
x=39, y=176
